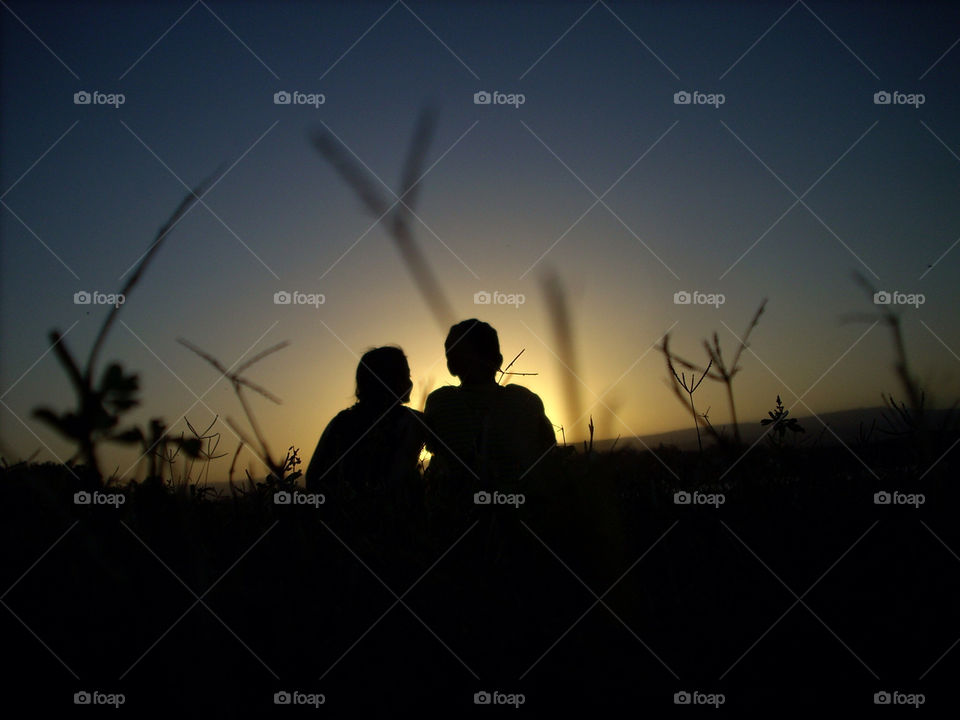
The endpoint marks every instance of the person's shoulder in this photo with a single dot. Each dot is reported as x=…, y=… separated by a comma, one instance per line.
x=341, y=425
x=441, y=396
x=408, y=415
x=522, y=394
x=343, y=418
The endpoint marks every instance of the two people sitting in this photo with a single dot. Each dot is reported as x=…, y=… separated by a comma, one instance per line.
x=480, y=430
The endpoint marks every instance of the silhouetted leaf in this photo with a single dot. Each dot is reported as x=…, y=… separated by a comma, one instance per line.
x=129, y=436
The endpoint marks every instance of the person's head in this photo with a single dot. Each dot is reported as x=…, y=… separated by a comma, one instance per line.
x=473, y=352
x=383, y=377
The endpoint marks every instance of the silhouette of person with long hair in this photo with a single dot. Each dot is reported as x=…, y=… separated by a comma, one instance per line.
x=375, y=444
x=492, y=432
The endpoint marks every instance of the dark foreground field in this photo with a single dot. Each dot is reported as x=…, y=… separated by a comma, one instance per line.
x=799, y=591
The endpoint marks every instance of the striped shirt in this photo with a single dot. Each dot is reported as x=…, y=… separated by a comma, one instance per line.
x=498, y=432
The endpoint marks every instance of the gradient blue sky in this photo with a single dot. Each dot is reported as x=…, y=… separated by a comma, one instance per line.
x=508, y=184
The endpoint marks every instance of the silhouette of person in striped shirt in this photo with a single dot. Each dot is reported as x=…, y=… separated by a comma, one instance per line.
x=482, y=429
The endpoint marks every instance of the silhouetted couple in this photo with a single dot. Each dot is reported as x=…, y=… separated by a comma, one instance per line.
x=481, y=432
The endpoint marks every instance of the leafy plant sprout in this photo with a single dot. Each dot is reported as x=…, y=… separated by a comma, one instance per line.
x=781, y=423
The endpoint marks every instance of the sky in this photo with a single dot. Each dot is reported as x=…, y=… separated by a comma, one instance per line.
x=783, y=176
